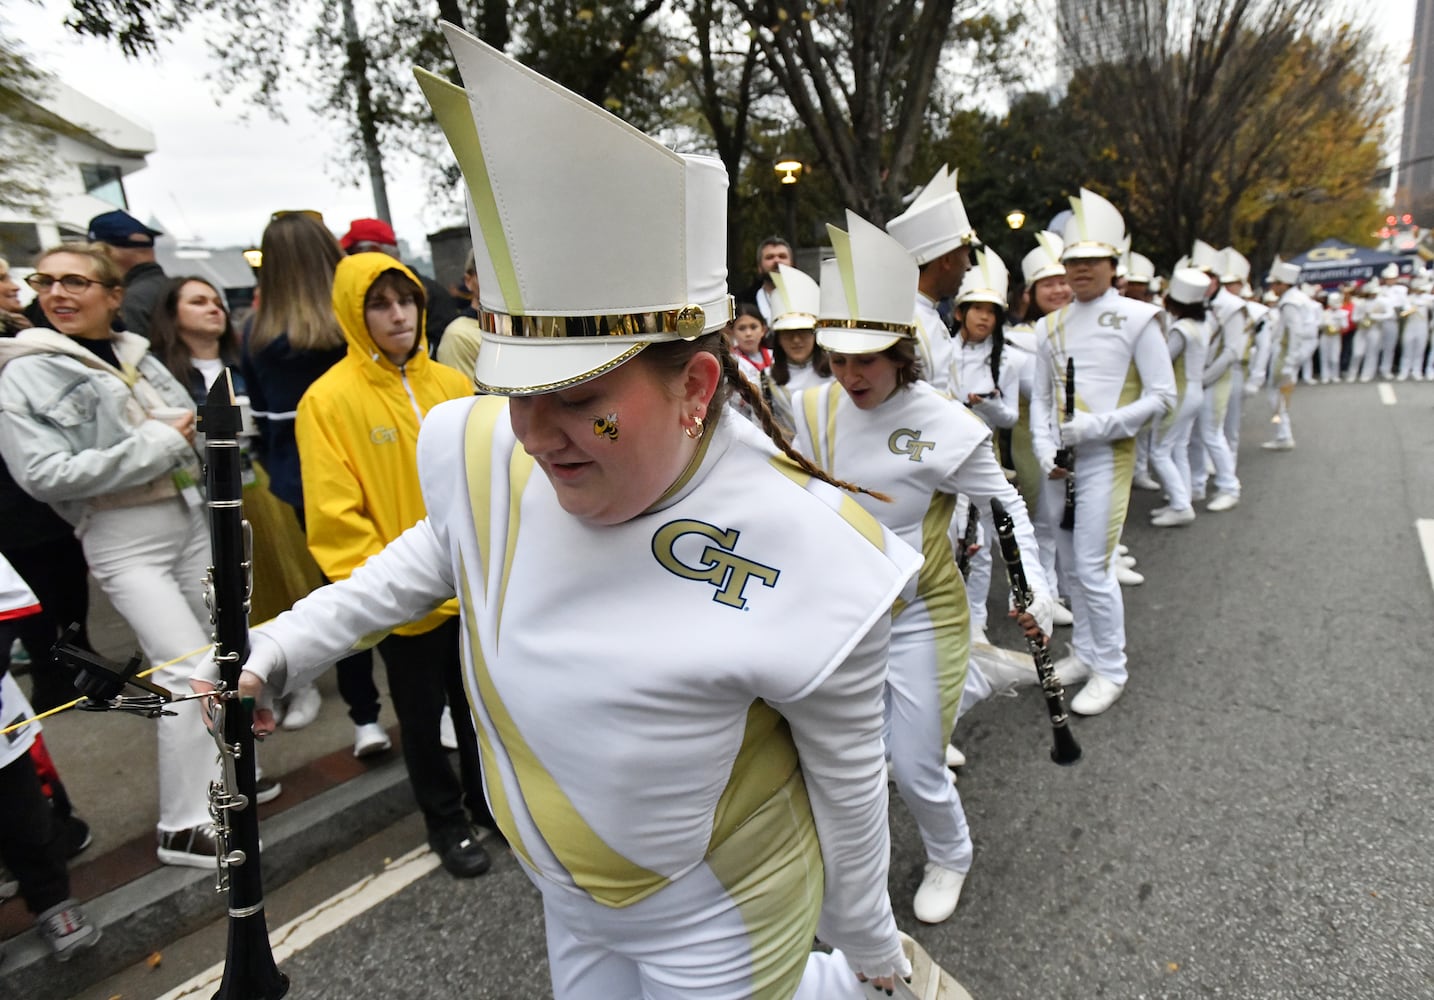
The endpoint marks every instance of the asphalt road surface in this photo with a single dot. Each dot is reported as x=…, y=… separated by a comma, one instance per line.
x=1251, y=820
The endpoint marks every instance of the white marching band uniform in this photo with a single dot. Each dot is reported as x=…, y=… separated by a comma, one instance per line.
x=1187, y=340
x=1398, y=296
x=1414, y=337
x=1293, y=336
x=1331, y=332
x=1377, y=322
x=1123, y=379
x=934, y=345
x=1227, y=340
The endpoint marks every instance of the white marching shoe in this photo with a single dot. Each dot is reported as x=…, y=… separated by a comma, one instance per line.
x=954, y=757
x=370, y=739
x=939, y=893
x=1279, y=444
x=1127, y=561
x=1128, y=577
x=928, y=980
x=1223, y=501
x=1070, y=670
x=1061, y=615
x=302, y=708
x=1174, y=518
x=1097, y=695
x=1145, y=482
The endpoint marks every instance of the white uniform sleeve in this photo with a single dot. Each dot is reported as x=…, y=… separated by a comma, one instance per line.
x=982, y=479
x=1157, y=392
x=1043, y=413
x=1218, y=364
x=410, y=578
x=838, y=733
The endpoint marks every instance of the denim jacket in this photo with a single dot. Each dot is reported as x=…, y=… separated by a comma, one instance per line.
x=74, y=430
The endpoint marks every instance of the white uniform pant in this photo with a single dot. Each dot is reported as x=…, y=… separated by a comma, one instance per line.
x=1170, y=454
x=693, y=939
x=916, y=736
x=151, y=562
x=1144, y=441
x=1366, y=348
x=1329, y=357
x=1280, y=409
x=1087, y=555
x=1209, y=443
x=1412, y=346
x=1388, y=341
x=1233, y=410
x=1307, y=370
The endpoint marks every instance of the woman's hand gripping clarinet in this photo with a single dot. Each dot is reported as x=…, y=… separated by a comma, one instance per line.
x=249, y=969
x=1064, y=749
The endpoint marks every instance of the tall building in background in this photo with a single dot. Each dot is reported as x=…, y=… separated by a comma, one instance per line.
x=1415, y=184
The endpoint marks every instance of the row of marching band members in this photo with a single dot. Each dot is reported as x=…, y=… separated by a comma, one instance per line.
x=931, y=418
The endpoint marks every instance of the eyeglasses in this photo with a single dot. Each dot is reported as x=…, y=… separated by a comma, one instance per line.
x=75, y=283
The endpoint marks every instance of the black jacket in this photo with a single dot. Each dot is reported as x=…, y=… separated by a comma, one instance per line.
x=142, y=285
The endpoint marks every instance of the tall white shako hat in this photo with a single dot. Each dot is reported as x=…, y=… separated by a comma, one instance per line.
x=986, y=282
x=1095, y=230
x=935, y=223
x=1045, y=260
x=1206, y=258
x=1139, y=269
x=591, y=240
x=1335, y=299
x=1189, y=285
x=796, y=298
x=1234, y=266
x=1283, y=272
x=868, y=290
x=1390, y=272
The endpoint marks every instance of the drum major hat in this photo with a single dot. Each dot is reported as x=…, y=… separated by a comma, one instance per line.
x=935, y=223
x=986, y=282
x=1045, y=260
x=1284, y=272
x=868, y=290
x=1189, y=285
x=796, y=300
x=1234, y=266
x=1140, y=269
x=590, y=239
x=1095, y=231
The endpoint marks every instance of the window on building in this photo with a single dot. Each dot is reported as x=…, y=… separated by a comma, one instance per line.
x=105, y=182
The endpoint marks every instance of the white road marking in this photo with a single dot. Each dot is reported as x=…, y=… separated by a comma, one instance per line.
x=1386, y=394
x=1425, y=527
x=328, y=916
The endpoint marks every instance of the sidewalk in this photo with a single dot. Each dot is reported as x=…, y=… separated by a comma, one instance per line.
x=329, y=802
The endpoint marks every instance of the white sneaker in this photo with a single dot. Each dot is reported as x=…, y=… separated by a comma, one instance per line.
x=1127, y=577
x=446, y=735
x=370, y=739
x=1121, y=549
x=303, y=708
x=1222, y=501
x=1174, y=518
x=1127, y=561
x=1156, y=512
x=1070, y=670
x=954, y=757
x=1279, y=444
x=1145, y=482
x=939, y=893
x=1061, y=615
x=1097, y=695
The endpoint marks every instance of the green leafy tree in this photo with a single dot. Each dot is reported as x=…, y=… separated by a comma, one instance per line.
x=27, y=135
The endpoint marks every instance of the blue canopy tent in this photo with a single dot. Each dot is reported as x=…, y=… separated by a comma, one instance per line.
x=1335, y=262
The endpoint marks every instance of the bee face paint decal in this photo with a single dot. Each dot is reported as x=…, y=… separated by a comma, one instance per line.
x=606, y=426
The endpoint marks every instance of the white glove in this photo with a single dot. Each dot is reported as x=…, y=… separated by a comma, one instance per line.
x=1081, y=427
x=1043, y=609
x=1253, y=386
x=266, y=663
x=1047, y=462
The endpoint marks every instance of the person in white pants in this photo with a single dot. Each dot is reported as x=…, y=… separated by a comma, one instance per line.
x=1398, y=294
x=1187, y=340
x=1293, y=338
x=1414, y=339
x=1380, y=323
x=1105, y=335
x=1226, y=318
x=1331, y=332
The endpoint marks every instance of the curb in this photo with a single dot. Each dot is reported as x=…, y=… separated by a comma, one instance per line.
x=171, y=902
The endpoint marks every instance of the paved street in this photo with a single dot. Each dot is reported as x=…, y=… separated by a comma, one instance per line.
x=1252, y=820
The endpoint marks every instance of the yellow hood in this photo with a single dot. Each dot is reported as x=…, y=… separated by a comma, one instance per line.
x=352, y=280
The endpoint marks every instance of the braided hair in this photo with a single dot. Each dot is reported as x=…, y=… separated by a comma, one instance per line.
x=674, y=355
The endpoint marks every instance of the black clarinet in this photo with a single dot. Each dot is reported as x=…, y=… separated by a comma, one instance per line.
x=1065, y=457
x=968, y=539
x=1064, y=749
x=249, y=969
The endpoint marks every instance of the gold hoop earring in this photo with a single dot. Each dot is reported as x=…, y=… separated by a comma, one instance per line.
x=695, y=431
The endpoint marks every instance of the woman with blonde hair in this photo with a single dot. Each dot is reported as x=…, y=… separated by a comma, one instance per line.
x=93, y=423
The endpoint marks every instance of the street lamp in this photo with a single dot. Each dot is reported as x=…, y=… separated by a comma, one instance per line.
x=1015, y=218
x=789, y=171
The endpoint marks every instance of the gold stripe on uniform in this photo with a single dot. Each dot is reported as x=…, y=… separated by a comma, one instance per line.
x=1122, y=466
x=941, y=588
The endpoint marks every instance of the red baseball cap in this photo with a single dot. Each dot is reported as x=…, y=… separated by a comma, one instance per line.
x=368, y=231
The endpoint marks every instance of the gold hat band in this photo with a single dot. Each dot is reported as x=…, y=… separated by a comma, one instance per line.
x=871, y=325
x=687, y=323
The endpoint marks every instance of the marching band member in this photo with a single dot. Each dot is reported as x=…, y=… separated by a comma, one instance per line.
x=627, y=555
x=1331, y=331
x=1414, y=339
x=1228, y=341
x=1123, y=378
x=1236, y=279
x=1292, y=339
x=937, y=234
x=798, y=361
x=1187, y=339
x=1138, y=272
x=1380, y=323
x=882, y=425
x=1398, y=295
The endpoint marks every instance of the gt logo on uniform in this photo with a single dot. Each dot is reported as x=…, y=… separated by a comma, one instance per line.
x=716, y=564
x=904, y=441
x=383, y=435
x=1114, y=320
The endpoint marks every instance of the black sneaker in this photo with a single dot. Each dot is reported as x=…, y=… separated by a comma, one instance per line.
x=195, y=847
x=266, y=790
x=76, y=836
x=8, y=885
x=461, y=853
x=67, y=930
